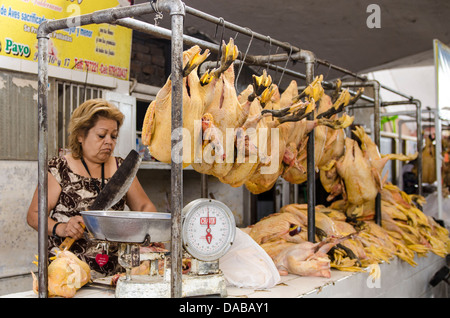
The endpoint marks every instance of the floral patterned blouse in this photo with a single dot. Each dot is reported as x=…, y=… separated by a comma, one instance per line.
x=78, y=193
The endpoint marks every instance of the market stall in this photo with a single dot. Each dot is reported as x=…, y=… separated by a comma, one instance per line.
x=204, y=259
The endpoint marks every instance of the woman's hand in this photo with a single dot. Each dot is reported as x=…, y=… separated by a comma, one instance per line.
x=72, y=228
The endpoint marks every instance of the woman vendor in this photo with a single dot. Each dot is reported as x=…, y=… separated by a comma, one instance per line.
x=75, y=179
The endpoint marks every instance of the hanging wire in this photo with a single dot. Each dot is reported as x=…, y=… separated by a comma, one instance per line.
x=245, y=56
x=328, y=72
x=276, y=66
x=222, y=22
x=270, y=48
x=316, y=67
x=285, y=65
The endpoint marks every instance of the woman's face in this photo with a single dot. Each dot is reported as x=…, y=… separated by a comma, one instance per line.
x=100, y=141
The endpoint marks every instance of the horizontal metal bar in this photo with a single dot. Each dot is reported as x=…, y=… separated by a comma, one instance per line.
x=97, y=17
x=398, y=102
x=165, y=33
x=261, y=60
x=406, y=113
x=396, y=92
x=285, y=45
x=383, y=104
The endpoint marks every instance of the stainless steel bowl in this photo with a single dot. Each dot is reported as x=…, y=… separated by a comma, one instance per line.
x=128, y=226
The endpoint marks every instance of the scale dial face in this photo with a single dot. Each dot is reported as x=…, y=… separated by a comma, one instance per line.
x=208, y=229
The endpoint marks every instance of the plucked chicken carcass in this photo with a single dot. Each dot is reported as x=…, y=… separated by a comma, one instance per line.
x=326, y=227
x=287, y=114
x=222, y=115
x=288, y=136
x=66, y=274
x=222, y=112
x=286, y=226
x=355, y=170
x=304, y=259
x=360, y=168
x=371, y=154
x=429, y=161
x=357, y=175
x=325, y=146
x=333, y=150
x=230, y=127
x=157, y=126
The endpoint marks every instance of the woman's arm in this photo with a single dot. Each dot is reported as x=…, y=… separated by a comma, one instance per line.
x=54, y=190
x=72, y=228
x=137, y=199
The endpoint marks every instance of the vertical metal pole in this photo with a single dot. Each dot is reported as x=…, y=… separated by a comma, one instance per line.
x=377, y=140
x=438, y=153
x=177, y=167
x=293, y=193
x=311, y=173
x=419, y=145
x=400, y=150
x=204, y=185
x=43, y=165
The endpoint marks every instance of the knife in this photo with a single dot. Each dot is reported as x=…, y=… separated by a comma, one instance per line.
x=114, y=190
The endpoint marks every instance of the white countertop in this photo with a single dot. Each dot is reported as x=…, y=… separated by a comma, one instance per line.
x=398, y=279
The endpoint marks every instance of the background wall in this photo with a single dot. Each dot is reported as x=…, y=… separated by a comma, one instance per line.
x=18, y=243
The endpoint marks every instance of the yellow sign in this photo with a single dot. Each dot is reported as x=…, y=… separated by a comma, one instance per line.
x=97, y=48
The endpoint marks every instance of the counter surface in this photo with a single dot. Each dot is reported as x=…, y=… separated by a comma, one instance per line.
x=398, y=279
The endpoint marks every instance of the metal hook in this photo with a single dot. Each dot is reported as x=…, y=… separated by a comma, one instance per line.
x=222, y=22
x=245, y=56
x=158, y=13
x=328, y=72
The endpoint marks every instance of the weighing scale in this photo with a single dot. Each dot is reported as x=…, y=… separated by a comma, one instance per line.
x=208, y=231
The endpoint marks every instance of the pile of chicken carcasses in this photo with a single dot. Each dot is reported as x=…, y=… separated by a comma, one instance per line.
x=347, y=239
x=255, y=137
x=250, y=138
x=345, y=230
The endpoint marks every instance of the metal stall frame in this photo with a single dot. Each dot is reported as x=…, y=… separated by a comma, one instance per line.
x=177, y=11
x=438, y=152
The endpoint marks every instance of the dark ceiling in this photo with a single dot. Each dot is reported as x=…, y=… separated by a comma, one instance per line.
x=336, y=31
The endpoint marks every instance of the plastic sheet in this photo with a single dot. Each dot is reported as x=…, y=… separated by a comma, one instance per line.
x=247, y=265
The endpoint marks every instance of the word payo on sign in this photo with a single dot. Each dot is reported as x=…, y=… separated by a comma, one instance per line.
x=14, y=48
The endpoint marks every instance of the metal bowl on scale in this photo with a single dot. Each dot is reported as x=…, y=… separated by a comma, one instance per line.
x=128, y=226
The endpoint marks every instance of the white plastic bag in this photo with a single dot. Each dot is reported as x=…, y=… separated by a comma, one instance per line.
x=247, y=265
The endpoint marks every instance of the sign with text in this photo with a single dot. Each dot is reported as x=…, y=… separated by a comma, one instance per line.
x=97, y=48
x=442, y=68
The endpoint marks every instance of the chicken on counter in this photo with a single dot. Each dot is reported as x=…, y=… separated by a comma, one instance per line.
x=66, y=274
x=303, y=259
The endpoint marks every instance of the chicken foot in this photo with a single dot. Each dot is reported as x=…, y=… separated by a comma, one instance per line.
x=228, y=56
x=343, y=101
